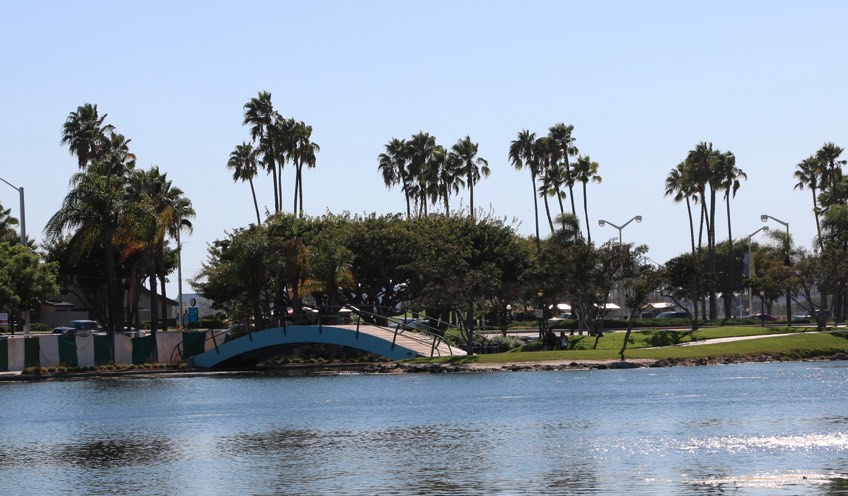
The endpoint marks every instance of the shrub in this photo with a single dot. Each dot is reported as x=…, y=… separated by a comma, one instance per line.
x=500, y=344
x=39, y=327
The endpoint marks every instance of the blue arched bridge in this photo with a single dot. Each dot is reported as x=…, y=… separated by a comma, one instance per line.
x=396, y=342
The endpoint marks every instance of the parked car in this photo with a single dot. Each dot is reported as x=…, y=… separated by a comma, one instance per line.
x=420, y=324
x=761, y=316
x=78, y=327
x=672, y=315
x=565, y=316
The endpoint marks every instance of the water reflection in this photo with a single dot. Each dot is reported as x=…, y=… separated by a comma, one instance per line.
x=116, y=452
x=675, y=431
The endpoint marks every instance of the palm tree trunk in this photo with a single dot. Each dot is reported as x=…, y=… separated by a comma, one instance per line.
x=691, y=224
x=255, y=205
x=296, y=184
x=559, y=199
x=588, y=231
x=701, y=250
x=711, y=253
x=111, y=290
x=818, y=225
x=536, y=212
x=548, y=212
x=277, y=195
x=154, y=315
x=726, y=293
x=160, y=271
x=471, y=194
x=570, y=185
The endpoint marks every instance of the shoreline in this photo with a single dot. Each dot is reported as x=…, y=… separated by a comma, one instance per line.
x=414, y=368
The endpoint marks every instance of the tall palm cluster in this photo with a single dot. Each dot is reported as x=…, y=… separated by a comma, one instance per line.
x=698, y=180
x=275, y=141
x=429, y=174
x=128, y=215
x=821, y=173
x=548, y=158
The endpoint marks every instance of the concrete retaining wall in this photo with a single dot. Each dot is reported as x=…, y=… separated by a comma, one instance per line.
x=51, y=350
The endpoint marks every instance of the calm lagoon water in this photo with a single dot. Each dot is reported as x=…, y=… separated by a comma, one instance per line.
x=738, y=429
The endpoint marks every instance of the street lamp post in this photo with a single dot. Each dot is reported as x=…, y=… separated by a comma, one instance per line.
x=180, y=277
x=765, y=218
x=762, y=308
x=24, y=312
x=750, y=290
x=602, y=223
x=540, y=314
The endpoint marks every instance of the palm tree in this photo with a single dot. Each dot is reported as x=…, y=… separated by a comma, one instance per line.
x=729, y=176
x=244, y=164
x=470, y=165
x=542, y=151
x=93, y=211
x=84, y=133
x=680, y=190
x=522, y=154
x=586, y=170
x=302, y=152
x=702, y=164
x=831, y=173
x=420, y=153
x=446, y=168
x=560, y=134
x=393, y=165
x=808, y=173
x=260, y=115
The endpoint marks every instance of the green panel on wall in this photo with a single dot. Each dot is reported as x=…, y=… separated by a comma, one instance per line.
x=142, y=350
x=4, y=355
x=193, y=343
x=68, y=351
x=101, y=350
x=32, y=352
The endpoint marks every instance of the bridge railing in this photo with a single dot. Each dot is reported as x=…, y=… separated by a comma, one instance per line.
x=418, y=330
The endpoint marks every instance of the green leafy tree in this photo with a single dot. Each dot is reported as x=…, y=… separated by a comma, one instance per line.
x=683, y=281
x=7, y=226
x=638, y=281
x=25, y=280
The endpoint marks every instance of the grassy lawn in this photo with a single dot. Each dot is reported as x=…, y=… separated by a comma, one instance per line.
x=802, y=345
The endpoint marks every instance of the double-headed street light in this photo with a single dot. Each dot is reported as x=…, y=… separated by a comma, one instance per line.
x=765, y=218
x=602, y=223
x=750, y=292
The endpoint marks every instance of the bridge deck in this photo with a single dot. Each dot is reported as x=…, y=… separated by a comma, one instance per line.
x=375, y=339
x=422, y=344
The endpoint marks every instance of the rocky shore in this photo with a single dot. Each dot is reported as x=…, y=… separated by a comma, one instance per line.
x=447, y=368
x=421, y=368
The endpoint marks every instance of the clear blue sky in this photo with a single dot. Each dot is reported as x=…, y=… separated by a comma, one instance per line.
x=642, y=82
